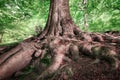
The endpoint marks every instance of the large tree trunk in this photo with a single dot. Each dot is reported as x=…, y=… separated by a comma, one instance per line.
x=63, y=40
x=59, y=21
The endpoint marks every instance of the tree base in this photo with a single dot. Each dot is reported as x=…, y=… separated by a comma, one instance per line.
x=61, y=49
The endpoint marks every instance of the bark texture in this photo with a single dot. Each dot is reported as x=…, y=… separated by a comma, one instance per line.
x=59, y=22
x=63, y=41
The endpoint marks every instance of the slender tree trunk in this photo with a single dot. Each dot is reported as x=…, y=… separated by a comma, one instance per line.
x=85, y=14
x=1, y=36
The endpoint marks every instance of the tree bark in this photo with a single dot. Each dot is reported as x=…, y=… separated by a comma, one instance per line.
x=59, y=20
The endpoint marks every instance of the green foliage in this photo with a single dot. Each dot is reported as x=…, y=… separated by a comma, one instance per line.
x=18, y=18
x=76, y=11
x=103, y=15
x=46, y=60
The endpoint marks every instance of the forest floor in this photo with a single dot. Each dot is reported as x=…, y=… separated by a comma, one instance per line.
x=84, y=68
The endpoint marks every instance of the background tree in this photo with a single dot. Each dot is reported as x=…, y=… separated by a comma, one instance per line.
x=85, y=14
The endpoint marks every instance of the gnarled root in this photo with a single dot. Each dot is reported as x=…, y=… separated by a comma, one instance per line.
x=58, y=50
x=17, y=59
x=66, y=48
x=15, y=63
x=61, y=48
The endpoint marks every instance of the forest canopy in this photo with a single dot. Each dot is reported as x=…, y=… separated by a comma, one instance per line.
x=19, y=18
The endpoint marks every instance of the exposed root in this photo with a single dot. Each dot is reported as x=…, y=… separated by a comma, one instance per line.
x=61, y=48
x=66, y=48
x=15, y=63
x=17, y=59
x=52, y=68
x=8, y=54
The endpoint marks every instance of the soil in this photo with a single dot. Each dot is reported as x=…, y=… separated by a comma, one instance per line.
x=83, y=69
x=101, y=71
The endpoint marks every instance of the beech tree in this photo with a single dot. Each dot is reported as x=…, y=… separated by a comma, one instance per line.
x=60, y=39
